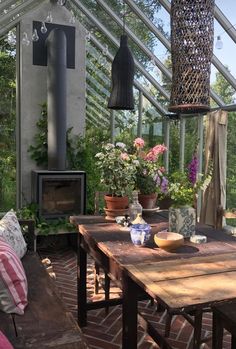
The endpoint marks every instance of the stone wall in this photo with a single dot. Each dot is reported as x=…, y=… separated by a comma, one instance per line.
x=32, y=91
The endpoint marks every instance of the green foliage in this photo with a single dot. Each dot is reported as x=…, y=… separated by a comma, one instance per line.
x=38, y=151
x=182, y=192
x=82, y=154
x=7, y=127
x=44, y=227
x=146, y=184
x=223, y=88
x=117, y=169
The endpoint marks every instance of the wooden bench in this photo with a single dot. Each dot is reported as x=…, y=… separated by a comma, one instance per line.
x=46, y=322
x=224, y=317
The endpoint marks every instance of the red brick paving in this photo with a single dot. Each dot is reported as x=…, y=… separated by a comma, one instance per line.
x=104, y=331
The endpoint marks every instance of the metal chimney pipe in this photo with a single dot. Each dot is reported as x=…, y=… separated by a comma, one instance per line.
x=56, y=99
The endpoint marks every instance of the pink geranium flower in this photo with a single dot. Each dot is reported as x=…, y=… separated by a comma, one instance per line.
x=139, y=143
x=150, y=174
x=151, y=156
x=124, y=156
x=159, y=149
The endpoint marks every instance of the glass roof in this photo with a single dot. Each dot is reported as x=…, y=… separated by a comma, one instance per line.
x=147, y=24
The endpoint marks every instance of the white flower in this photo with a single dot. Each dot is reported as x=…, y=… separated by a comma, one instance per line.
x=120, y=145
x=136, y=162
x=109, y=146
x=98, y=155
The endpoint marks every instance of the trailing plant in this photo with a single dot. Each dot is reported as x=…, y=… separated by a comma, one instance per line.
x=45, y=227
x=39, y=150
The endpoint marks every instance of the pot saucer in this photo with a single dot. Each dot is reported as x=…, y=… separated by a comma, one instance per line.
x=111, y=214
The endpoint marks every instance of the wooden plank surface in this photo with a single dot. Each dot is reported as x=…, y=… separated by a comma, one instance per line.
x=46, y=322
x=70, y=339
x=117, y=244
x=176, y=269
x=197, y=290
x=179, y=284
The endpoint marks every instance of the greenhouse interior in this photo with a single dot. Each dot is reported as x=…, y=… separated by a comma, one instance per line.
x=118, y=175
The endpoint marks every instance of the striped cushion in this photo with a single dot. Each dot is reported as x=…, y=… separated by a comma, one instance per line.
x=13, y=283
x=10, y=231
x=4, y=343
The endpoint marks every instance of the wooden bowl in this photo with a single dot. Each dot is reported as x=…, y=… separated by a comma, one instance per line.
x=168, y=241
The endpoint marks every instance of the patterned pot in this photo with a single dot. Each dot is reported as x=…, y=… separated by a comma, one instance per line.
x=182, y=220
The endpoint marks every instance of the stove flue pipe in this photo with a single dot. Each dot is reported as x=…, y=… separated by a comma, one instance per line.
x=56, y=99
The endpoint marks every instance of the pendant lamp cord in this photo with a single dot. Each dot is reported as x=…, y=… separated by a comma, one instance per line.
x=124, y=14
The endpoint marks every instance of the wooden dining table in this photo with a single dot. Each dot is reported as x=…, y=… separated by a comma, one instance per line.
x=187, y=281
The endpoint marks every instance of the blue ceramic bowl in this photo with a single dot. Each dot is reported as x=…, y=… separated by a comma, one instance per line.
x=140, y=234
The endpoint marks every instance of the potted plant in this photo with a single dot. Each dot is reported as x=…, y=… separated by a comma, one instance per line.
x=183, y=190
x=150, y=175
x=117, y=174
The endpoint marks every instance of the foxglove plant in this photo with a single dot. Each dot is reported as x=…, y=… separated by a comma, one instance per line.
x=193, y=169
x=184, y=186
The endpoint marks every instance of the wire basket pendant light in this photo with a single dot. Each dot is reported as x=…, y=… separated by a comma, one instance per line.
x=122, y=73
x=192, y=35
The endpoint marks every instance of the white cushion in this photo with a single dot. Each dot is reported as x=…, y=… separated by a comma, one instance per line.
x=10, y=231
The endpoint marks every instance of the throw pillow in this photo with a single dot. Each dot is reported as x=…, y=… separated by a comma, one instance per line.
x=4, y=342
x=10, y=231
x=13, y=282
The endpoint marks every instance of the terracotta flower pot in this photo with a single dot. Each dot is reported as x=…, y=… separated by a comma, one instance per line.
x=164, y=203
x=116, y=202
x=148, y=201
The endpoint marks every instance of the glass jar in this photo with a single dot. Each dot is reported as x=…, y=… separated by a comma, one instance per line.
x=135, y=208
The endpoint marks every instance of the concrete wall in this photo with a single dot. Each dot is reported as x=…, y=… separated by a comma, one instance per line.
x=32, y=90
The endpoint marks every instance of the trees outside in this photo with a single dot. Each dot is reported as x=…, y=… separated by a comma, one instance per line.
x=7, y=125
x=222, y=87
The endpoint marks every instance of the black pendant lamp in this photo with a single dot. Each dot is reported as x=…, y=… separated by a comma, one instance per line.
x=122, y=73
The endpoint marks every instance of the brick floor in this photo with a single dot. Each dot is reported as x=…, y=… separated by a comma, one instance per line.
x=104, y=331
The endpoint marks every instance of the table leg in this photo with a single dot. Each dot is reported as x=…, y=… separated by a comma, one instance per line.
x=233, y=341
x=129, y=313
x=81, y=283
x=107, y=292
x=217, y=332
x=197, y=329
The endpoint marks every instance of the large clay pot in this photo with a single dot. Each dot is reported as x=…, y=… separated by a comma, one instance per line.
x=116, y=202
x=148, y=201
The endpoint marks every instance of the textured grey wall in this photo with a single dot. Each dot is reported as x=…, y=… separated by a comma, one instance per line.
x=32, y=89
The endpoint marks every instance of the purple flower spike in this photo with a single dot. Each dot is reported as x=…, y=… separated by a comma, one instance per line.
x=193, y=169
x=164, y=185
